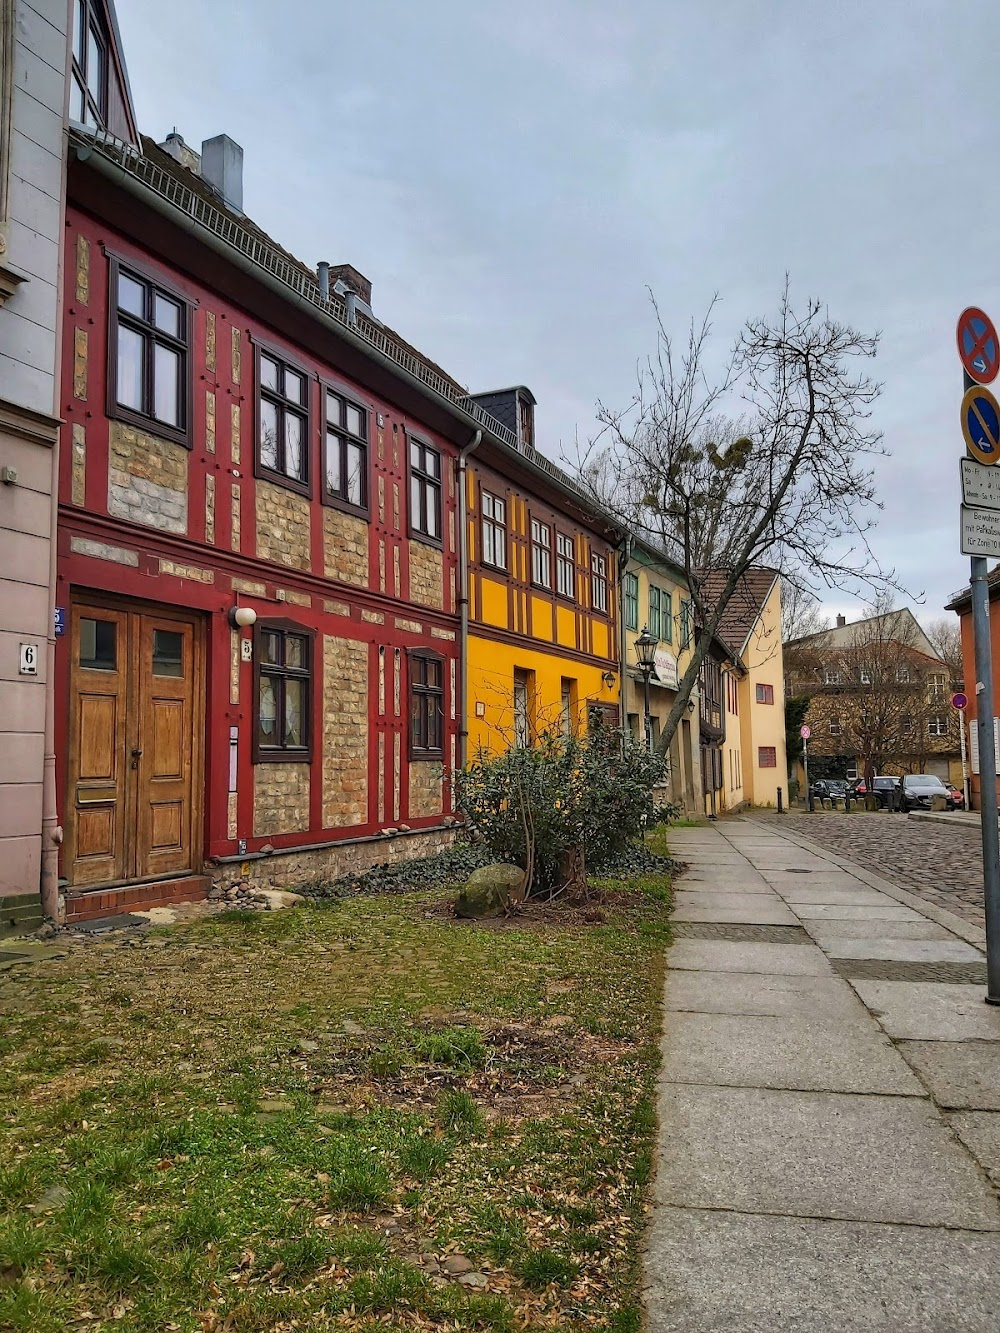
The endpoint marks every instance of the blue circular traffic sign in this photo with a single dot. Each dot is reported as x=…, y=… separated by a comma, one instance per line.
x=978, y=345
x=981, y=424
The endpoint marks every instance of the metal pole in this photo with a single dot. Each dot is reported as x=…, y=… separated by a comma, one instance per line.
x=987, y=774
x=805, y=766
x=966, y=784
x=645, y=704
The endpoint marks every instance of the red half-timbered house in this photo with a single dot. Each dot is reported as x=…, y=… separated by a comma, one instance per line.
x=257, y=549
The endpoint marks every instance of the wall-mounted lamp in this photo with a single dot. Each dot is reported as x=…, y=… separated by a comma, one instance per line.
x=240, y=617
x=609, y=678
x=690, y=705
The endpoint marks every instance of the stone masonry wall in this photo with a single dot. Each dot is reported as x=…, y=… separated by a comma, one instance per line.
x=282, y=526
x=345, y=547
x=345, y=732
x=280, y=799
x=425, y=790
x=426, y=575
x=286, y=871
x=147, y=479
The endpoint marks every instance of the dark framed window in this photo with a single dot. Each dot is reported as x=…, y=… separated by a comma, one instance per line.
x=599, y=582
x=149, y=338
x=425, y=490
x=426, y=706
x=493, y=529
x=565, y=566
x=667, y=615
x=654, y=621
x=282, y=421
x=88, y=96
x=685, y=624
x=283, y=667
x=765, y=694
x=541, y=554
x=767, y=756
x=835, y=726
x=632, y=606
x=523, y=697
x=345, y=458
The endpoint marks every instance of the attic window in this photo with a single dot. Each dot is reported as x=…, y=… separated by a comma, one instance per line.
x=525, y=423
x=88, y=99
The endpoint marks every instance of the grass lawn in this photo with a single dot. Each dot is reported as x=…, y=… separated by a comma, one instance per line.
x=357, y=1114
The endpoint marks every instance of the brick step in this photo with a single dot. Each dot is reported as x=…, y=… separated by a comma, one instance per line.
x=88, y=904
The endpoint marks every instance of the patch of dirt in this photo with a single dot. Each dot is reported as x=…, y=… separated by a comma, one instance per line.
x=538, y=913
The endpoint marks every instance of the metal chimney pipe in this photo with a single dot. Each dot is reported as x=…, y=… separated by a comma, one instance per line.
x=323, y=273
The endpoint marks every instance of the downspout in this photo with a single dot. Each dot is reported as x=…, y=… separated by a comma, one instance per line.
x=624, y=554
x=463, y=599
x=52, y=834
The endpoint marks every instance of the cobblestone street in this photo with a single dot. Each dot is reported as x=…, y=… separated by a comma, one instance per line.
x=941, y=863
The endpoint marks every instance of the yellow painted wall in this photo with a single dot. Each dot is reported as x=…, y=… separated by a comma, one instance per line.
x=733, y=794
x=491, y=667
x=764, y=724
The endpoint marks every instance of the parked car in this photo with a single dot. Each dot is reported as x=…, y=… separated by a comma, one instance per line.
x=885, y=790
x=958, y=796
x=828, y=789
x=919, y=790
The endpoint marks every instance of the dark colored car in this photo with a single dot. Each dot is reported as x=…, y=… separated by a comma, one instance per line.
x=919, y=790
x=886, y=790
x=828, y=789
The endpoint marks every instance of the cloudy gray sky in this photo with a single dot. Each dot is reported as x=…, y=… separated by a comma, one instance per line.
x=512, y=174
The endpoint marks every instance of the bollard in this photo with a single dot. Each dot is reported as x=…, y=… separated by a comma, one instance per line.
x=781, y=808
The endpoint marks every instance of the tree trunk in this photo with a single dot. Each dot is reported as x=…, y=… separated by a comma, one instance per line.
x=573, y=876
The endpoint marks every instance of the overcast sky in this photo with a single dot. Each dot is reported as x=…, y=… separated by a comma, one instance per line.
x=512, y=174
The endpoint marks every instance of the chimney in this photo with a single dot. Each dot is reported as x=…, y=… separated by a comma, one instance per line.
x=323, y=278
x=352, y=281
x=222, y=168
x=174, y=145
x=841, y=622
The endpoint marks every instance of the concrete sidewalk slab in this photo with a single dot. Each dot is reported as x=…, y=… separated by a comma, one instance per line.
x=875, y=1159
x=854, y=912
x=714, y=1271
x=808, y=895
x=960, y=1074
x=753, y=1050
x=697, y=898
x=826, y=1000
x=830, y=929
x=767, y=914
x=736, y=956
x=980, y=1132
x=723, y=884
x=930, y=1010
x=905, y=951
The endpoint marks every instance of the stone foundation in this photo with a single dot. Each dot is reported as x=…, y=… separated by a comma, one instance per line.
x=288, y=869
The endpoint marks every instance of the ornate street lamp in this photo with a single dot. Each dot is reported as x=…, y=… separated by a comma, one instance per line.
x=645, y=650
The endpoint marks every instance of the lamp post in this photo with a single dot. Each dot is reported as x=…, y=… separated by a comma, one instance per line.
x=645, y=652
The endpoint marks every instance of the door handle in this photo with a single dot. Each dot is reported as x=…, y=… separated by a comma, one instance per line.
x=136, y=756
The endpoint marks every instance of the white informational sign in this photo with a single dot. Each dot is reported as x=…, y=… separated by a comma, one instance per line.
x=980, y=531
x=980, y=485
x=28, y=663
x=974, y=742
x=665, y=666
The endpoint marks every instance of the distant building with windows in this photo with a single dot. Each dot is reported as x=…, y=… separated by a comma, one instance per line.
x=879, y=698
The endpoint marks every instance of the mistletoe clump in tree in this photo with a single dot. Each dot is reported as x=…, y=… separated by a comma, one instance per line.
x=768, y=464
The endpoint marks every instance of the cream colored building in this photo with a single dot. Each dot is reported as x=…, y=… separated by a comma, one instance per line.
x=754, y=750
x=654, y=595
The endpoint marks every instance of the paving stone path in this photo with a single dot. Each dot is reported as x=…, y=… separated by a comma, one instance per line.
x=941, y=863
x=829, y=1143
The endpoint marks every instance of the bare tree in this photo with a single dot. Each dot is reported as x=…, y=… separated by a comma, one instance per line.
x=764, y=465
x=946, y=639
x=801, y=612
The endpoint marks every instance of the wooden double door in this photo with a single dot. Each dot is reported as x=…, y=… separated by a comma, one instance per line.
x=135, y=743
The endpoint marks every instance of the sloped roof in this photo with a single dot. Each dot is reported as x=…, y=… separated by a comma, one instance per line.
x=745, y=605
x=903, y=625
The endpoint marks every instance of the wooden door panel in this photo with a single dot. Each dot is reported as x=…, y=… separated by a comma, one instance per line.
x=97, y=843
x=166, y=668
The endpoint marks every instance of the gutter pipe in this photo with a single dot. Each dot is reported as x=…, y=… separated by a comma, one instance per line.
x=463, y=598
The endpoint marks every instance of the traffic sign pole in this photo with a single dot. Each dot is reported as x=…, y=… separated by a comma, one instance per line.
x=979, y=351
x=987, y=774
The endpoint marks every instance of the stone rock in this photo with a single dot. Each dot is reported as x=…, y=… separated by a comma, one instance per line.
x=490, y=890
x=457, y=1263
x=478, y=1280
x=306, y=1047
x=276, y=899
x=275, y=1106
x=54, y=1197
